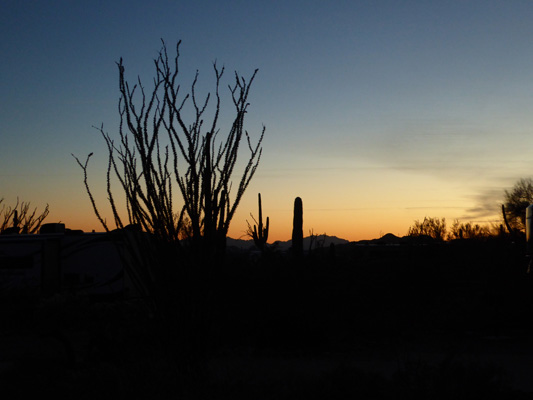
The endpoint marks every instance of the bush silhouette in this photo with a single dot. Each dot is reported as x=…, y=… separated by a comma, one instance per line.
x=432, y=227
x=20, y=219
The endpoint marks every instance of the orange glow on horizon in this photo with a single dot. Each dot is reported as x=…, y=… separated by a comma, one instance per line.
x=373, y=206
x=352, y=226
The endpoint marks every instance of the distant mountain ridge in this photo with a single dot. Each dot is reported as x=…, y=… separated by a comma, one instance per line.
x=309, y=241
x=391, y=239
x=326, y=241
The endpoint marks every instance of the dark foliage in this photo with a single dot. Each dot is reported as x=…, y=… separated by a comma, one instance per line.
x=432, y=227
x=516, y=202
x=468, y=230
x=20, y=219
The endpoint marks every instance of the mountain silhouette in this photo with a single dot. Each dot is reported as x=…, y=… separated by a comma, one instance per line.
x=316, y=241
x=245, y=245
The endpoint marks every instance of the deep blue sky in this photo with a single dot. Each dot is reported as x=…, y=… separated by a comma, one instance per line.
x=377, y=112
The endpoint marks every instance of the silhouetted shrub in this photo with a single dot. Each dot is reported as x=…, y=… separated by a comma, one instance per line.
x=19, y=219
x=468, y=230
x=432, y=227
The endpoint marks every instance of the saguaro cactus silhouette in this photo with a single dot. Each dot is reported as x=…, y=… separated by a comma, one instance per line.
x=297, y=229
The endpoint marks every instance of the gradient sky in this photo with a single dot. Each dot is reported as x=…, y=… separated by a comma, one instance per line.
x=377, y=113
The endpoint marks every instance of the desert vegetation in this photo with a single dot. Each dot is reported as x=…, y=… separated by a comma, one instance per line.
x=516, y=201
x=159, y=150
x=20, y=218
x=389, y=319
x=436, y=229
x=259, y=233
x=412, y=320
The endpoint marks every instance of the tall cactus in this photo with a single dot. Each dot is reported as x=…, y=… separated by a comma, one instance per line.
x=297, y=229
x=260, y=233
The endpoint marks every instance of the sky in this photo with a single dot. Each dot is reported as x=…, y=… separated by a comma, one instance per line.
x=377, y=113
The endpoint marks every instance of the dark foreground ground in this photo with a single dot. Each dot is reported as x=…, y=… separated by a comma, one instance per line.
x=449, y=321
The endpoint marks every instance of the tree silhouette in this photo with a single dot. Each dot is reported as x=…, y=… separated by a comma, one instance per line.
x=158, y=150
x=516, y=202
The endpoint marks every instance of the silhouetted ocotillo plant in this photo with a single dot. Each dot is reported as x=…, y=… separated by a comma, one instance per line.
x=149, y=171
x=297, y=229
x=259, y=232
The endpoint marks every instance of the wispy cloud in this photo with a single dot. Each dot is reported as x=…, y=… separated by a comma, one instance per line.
x=487, y=204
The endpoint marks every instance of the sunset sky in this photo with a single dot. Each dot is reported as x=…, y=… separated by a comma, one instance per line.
x=377, y=113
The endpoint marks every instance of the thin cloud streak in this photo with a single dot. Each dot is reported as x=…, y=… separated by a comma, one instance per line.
x=487, y=204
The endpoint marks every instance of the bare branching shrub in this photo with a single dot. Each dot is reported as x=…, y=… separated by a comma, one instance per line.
x=468, y=230
x=158, y=150
x=20, y=219
x=432, y=227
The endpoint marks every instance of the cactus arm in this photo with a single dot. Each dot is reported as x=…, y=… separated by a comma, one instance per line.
x=265, y=233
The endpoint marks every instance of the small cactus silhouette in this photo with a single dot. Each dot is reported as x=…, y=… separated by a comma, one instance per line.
x=260, y=233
